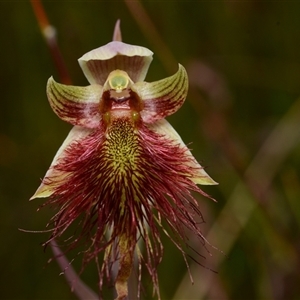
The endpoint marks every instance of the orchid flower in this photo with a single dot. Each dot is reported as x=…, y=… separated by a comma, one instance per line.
x=123, y=174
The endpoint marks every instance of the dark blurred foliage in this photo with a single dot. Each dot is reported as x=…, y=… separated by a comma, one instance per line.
x=242, y=118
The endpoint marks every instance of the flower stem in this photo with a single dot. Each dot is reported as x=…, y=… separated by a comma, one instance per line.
x=49, y=34
x=126, y=259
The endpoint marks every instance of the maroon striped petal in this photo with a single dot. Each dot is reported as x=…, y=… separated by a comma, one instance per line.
x=196, y=171
x=98, y=63
x=163, y=97
x=74, y=104
x=55, y=176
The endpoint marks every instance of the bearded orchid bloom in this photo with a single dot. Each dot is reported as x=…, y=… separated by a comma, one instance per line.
x=123, y=173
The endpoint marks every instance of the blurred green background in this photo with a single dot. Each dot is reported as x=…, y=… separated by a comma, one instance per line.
x=242, y=118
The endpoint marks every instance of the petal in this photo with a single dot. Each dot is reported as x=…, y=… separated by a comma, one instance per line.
x=164, y=127
x=98, y=63
x=53, y=176
x=74, y=104
x=163, y=97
